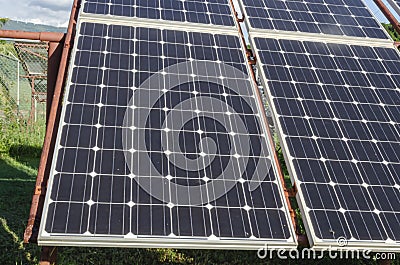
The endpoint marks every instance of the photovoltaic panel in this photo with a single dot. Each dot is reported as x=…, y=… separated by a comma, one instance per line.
x=337, y=110
x=329, y=17
x=213, y=12
x=162, y=143
x=395, y=4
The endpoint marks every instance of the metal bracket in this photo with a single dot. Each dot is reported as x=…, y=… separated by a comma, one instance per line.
x=240, y=20
x=292, y=192
x=40, y=190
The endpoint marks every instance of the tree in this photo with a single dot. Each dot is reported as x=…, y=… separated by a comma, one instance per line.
x=4, y=47
x=392, y=32
x=3, y=21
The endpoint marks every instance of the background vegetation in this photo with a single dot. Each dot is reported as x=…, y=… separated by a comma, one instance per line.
x=389, y=28
x=19, y=25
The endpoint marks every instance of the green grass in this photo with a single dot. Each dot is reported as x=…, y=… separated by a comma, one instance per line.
x=17, y=180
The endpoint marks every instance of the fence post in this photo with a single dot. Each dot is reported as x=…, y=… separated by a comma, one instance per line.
x=18, y=86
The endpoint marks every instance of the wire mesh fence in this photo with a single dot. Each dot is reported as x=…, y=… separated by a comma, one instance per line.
x=23, y=79
x=9, y=79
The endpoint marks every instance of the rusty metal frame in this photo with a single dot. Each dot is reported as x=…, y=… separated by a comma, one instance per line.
x=48, y=254
x=38, y=36
x=55, y=52
x=51, y=38
x=59, y=48
x=388, y=14
x=289, y=193
x=54, y=100
x=58, y=57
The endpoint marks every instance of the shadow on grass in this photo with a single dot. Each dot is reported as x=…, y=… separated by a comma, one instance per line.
x=26, y=154
x=114, y=256
x=17, y=180
x=111, y=256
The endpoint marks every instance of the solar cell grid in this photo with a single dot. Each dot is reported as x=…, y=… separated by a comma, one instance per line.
x=333, y=17
x=395, y=5
x=162, y=138
x=214, y=12
x=338, y=108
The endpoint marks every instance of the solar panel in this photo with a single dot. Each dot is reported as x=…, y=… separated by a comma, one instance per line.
x=162, y=144
x=395, y=4
x=212, y=12
x=337, y=110
x=329, y=17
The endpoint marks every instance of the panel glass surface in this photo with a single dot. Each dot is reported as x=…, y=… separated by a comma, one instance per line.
x=212, y=12
x=334, y=17
x=395, y=4
x=162, y=138
x=338, y=110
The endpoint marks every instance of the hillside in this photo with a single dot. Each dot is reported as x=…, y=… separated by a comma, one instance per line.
x=19, y=25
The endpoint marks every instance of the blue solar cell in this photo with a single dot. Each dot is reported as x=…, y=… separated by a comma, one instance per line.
x=340, y=129
x=333, y=17
x=173, y=109
x=213, y=12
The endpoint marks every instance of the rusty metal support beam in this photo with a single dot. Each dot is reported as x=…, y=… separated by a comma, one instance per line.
x=48, y=256
x=240, y=20
x=26, y=35
x=35, y=76
x=35, y=215
x=392, y=19
x=54, y=58
x=289, y=193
